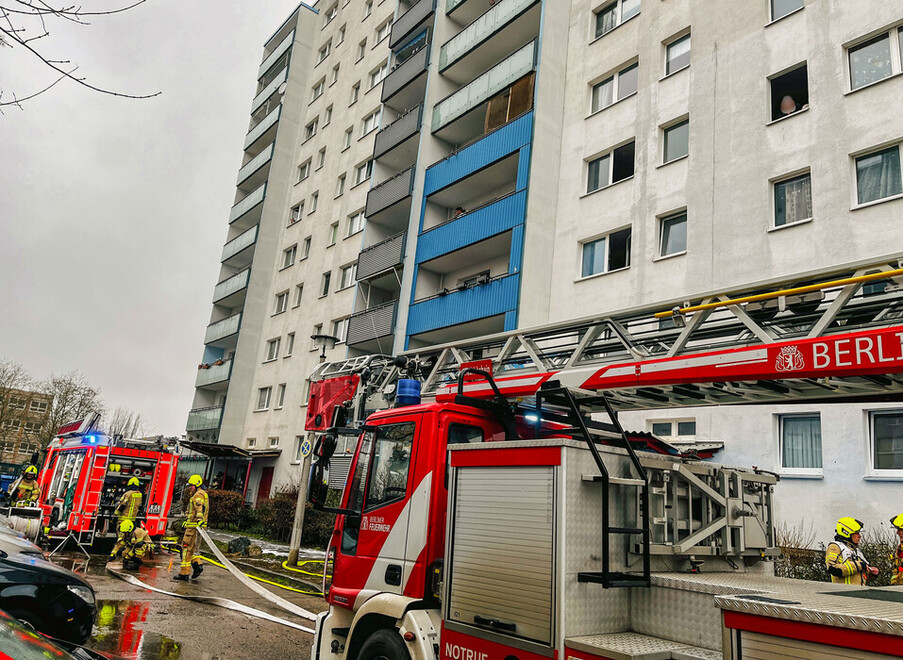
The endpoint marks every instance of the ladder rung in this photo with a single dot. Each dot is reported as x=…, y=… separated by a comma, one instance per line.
x=620, y=481
x=626, y=530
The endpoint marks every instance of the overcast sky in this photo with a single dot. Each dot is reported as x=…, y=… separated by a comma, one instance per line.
x=113, y=212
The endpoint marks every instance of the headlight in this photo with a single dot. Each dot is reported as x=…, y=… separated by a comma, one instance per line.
x=82, y=592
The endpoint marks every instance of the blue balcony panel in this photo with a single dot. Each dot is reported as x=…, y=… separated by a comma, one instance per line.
x=478, y=225
x=493, y=146
x=497, y=297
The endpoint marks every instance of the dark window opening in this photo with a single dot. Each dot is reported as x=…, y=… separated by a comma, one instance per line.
x=789, y=93
x=623, y=162
x=619, y=246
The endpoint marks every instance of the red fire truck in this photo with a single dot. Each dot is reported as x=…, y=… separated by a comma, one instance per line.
x=511, y=518
x=85, y=473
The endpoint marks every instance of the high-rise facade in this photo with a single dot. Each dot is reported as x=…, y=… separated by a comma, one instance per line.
x=444, y=169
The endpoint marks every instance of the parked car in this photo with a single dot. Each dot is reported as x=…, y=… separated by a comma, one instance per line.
x=53, y=600
x=22, y=643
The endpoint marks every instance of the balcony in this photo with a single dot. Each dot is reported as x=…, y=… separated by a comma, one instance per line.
x=408, y=22
x=405, y=85
x=381, y=257
x=496, y=298
x=269, y=90
x=204, y=419
x=370, y=325
x=236, y=253
x=481, y=89
x=247, y=212
x=230, y=292
x=254, y=172
x=278, y=52
x=389, y=193
x=220, y=331
x=464, y=12
x=215, y=376
x=265, y=131
x=508, y=25
x=396, y=144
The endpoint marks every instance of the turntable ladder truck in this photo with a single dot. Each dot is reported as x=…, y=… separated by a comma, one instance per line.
x=508, y=517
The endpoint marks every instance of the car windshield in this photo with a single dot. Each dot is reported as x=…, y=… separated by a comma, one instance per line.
x=22, y=643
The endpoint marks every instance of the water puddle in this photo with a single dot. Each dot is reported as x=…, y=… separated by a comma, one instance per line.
x=118, y=632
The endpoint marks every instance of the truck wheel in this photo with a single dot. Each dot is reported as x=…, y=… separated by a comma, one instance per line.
x=384, y=645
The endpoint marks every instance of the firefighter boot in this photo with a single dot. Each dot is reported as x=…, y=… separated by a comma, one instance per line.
x=131, y=563
x=181, y=578
x=196, y=570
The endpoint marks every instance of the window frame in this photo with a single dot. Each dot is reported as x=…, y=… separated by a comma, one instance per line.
x=325, y=282
x=373, y=119
x=310, y=130
x=869, y=153
x=799, y=472
x=662, y=221
x=367, y=167
x=615, y=78
x=894, y=47
x=776, y=77
x=317, y=90
x=280, y=396
x=619, y=21
x=785, y=179
x=264, y=394
x=683, y=35
x=607, y=257
x=610, y=154
x=272, y=349
x=296, y=213
x=353, y=226
x=289, y=345
x=352, y=269
x=340, y=329
x=873, y=471
x=383, y=30
x=324, y=51
x=773, y=18
x=304, y=171
x=671, y=126
x=340, y=184
x=333, y=234
x=283, y=297
x=289, y=255
x=314, y=201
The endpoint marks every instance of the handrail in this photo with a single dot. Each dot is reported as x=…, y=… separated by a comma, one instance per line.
x=471, y=211
x=479, y=137
x=400, y=117
x=383, y=242
x=392, y=178
x=448, y=292
x=372, y=309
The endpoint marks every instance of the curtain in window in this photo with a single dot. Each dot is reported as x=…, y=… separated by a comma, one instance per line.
x=888, y=448
x=606, y=20
x=793, y=200
x=629, y=9
x=801, y=442
x=878, y=175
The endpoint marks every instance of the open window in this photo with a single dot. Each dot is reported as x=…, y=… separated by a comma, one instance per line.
x=790, y=92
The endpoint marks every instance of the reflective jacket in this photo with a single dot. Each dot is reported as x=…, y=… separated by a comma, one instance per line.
x=24, y=492
x=846, y=564
x=897, y=558
x=133, y=544
x=129, y=504
x=198, y=508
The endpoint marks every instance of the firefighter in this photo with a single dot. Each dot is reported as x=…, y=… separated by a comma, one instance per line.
x=198, y=508
x=133, y=543
x=897, y=556
x=25, y=489
x=845, y=562
x=130, y=503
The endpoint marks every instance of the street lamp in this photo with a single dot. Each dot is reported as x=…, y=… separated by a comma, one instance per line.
x=325, y=342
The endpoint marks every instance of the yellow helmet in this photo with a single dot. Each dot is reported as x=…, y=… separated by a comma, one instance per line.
x=31, y=469
x=897, y=521
x=195, y=480
x=126, y=526
x=846, y=527
x=134, y=481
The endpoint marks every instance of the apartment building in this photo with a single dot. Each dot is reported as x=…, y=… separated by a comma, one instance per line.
x=446, y=169
x=23, y=418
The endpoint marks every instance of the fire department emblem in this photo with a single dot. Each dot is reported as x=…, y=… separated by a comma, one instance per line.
x=789, y=359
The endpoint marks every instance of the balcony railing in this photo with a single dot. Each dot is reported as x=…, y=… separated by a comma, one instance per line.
x=247, y=203
x=370, y=324
x=381, y=256
x=221, y=329
x=493, y=298
x=398, y=131
x=214, y=373
x=408, y=21
x=390, y=192
x=204, y=419
x=239, y=243
x=406, y=72
x=265, y=124
x=481, y=29
x=485, y=86
x=231, y=285
x=269, y=90
x=255, y=164
x=278, y=52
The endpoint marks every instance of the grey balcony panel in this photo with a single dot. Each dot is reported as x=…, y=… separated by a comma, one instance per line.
x=247, y=203
x=283, y=46
x=408, y=22
x=231, y=285
x=390, y=192
x=221, y=329
x=204, y=419
x=381, y=256
x=269, y=90
x=406, y=72
x=372, y=323
x=398, y=131
x=265, y=124
x=255, y=163
x=239, y=243
x=214, y=373
x=482, y=29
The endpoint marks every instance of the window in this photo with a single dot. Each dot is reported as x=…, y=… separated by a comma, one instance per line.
x=318, y=330
x=341, y=35
x=339, y=329
x=340, y=185
x=383, y=30
x=295, y=215
x=333, y=233
x=462, y=434
x=348, y=275
x=611, y=16
x=603, y=255
x=361, y=49
x=887, y=440
x=311, y=129
x=323, y=53
x=610, y=168
x=780, y=8
x=324, y=289
x=314, y=199
x=317, y=90
x=347, y=142
x=289, y=344
x=355, y=223
x=331, y=13
x=280, y=400
x=368, y=9
x=789, y=92
x=327, y=116
x=391, y=447
x=252, y=442
x=878, y=175
x=305, y=249
x=355, y=92
x=263, y=398
x=17, y=403
x=677, y=55
x=876, y=59
x=362, y=172
x=281, y=302
x=272, y=349
x=299, y=293
x=38, y=406
x=321, y=157
x=800, y=443
x=370, y=122
x=299, y=440
x=792, y=200
x=677, y=141
x=673, y=238
x=32, y=427
x=615, y=88
x=304, y=170
x=682, y=429
x=288, y=256
x=274, y=442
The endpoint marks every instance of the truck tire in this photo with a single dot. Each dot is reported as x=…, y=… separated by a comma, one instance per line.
x=384, y=645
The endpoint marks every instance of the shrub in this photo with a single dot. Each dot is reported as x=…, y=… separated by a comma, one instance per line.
x=275, y=516
x=225, y=508
x=318, y=527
